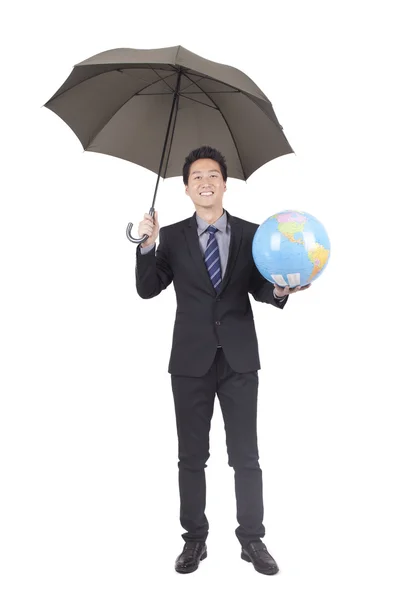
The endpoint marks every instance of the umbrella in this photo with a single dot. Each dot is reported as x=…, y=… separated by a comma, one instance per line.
x=152, y=107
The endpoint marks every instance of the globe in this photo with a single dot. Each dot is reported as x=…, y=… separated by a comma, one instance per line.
x=291, y=248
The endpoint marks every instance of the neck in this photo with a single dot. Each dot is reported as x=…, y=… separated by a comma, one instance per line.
x=210, y=215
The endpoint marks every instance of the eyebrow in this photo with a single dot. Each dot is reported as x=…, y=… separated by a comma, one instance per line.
x=210, y=171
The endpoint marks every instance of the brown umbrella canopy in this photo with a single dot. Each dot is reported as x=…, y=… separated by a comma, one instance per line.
x=119, y=103
x=152, y=107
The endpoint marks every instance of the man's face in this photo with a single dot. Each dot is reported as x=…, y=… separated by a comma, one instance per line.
x=206, y=186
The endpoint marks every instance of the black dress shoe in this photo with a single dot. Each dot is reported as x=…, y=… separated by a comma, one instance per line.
x=189, y=560
x=257, y=553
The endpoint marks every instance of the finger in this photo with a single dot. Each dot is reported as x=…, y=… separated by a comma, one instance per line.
x=147, y=229
x=148, y=222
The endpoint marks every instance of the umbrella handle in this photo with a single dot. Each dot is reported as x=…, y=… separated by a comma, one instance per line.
x=129, y=229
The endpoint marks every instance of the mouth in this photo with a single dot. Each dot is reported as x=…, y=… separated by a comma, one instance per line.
x=208, y=193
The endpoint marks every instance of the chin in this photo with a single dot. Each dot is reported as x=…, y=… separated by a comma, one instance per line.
x=209, y=202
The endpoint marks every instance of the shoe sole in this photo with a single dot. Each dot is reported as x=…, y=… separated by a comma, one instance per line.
x=248, y=559
x=202, y=557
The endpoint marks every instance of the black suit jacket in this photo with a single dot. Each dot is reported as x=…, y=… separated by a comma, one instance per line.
x=205, y=319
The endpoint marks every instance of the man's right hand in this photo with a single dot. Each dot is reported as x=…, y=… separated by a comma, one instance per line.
x=150, y=227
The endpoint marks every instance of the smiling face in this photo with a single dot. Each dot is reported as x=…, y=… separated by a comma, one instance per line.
x=206, y=186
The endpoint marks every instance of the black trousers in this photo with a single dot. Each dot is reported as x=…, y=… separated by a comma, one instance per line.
x=194, y=405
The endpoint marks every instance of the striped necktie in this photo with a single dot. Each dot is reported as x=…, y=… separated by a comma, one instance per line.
x=212, y=260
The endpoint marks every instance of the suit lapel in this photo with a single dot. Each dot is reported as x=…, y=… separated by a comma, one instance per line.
x=192, y=239
x=234, y=247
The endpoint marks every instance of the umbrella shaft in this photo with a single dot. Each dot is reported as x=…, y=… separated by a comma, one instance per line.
x=174, y=106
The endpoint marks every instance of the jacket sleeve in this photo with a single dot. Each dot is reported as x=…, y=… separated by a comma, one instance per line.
x=153, y=271
x=262, y=290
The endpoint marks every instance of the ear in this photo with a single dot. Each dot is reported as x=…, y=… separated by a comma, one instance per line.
x=186, y=190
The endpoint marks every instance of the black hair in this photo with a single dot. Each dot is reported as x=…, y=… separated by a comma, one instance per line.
x=204, y=152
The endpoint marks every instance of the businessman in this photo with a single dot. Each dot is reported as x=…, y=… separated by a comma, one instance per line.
x=208, y=257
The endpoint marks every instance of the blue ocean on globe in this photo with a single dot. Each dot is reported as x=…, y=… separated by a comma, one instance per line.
x=291, y=248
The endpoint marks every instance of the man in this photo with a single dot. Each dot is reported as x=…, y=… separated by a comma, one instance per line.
x=209, y=259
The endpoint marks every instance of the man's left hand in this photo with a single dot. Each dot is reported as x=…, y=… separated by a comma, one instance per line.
x=281, y=292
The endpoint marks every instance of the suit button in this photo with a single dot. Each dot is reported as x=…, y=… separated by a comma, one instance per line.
x=218, y=299
x=218, y=322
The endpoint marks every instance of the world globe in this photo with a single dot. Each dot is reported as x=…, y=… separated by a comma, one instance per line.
x=291, y=248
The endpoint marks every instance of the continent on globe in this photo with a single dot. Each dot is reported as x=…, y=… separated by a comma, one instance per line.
x=289, y=224
x=319, y=257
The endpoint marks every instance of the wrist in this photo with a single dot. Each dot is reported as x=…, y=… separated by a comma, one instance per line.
x=277, y=296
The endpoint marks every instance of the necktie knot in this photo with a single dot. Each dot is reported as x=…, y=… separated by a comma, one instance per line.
x=211, y=229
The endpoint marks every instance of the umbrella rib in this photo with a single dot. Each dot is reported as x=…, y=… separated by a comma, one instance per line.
x=163, y=79
x=266, y=113
x=188, y=93
x=198, y=102
x=249, y=95
x=226, y=123
x=137, y=93
x=110, y=71
x=191, y=82
x=202, y=92
x=196, y=83
x=220, y=92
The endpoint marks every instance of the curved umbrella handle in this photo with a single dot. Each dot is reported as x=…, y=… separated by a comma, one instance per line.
x=129, y=229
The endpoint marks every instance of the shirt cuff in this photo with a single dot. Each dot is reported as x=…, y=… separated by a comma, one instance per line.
x=147, y=249
x=279, y=298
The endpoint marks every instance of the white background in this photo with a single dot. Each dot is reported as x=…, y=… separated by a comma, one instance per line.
x=89, y=501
